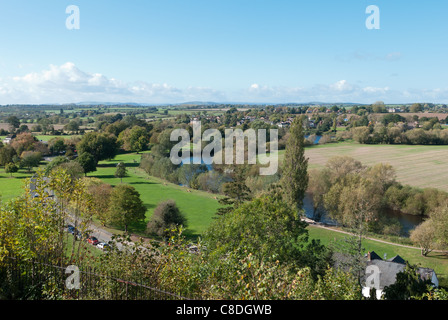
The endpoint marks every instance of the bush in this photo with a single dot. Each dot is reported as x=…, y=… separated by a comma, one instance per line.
x=166, y=216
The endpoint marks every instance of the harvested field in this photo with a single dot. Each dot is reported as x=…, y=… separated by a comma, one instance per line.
x=419, y=166
x=7, y=126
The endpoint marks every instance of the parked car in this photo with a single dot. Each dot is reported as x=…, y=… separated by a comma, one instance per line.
x=92, y=240
x=102, y=245
x=79, y=236
x=70, y=229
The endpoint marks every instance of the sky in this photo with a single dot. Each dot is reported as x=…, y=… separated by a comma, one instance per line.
x=251, y=51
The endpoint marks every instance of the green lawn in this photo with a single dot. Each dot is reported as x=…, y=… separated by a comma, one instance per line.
x=11, y=187
x=199, y=207
x=434, y=260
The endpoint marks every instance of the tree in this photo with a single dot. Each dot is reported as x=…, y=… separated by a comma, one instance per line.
x=295, y=178
x=7, y=154
x=382, y=174
x=236, y=192
x=13, y=121
x=30, y=226
x=121, y=171
x=423, y=236
x=100, y=193
x=72, y=126
x=164, y=144
x=73, y=168
x=11, y=168
x=135, y=139
x=126, y=207
x=342, y=166
x=24, y=142
x=30, y=159
x=269, y=229
x=361, y=134
x=408, y=285
x=416, y=107
x=87, y=162
x=354, y=202
x=439, y=221
x=166, y=217
x=57, y=146
x=319, y=185
x=101, y=146
x=55, y=163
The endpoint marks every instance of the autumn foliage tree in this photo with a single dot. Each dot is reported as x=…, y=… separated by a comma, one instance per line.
x=100, y=193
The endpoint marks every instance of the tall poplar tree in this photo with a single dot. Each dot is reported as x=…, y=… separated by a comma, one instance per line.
x=294, y=181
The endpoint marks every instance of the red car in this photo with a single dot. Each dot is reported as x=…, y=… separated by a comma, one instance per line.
x=93, y=240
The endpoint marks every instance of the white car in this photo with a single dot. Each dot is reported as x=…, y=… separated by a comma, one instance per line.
x=102, y=245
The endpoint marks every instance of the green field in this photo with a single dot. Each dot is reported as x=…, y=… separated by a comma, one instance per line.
x=49, y=137
x=435, y=260
x=11, y=187
x=199, y=207
x=46, y=137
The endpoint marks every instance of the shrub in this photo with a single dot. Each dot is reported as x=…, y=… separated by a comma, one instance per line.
x=166, y=216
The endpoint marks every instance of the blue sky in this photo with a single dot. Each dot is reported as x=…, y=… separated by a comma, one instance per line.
x=172, y=51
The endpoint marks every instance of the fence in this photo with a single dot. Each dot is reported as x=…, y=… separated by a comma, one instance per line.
x=36, y=280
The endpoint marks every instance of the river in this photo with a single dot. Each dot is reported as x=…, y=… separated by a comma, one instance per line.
x=408, y=222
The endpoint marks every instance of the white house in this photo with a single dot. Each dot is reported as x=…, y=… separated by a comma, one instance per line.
x=382, y=273
x=8, y=139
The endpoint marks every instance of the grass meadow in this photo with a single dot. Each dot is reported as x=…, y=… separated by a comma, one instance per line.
x=198, y=206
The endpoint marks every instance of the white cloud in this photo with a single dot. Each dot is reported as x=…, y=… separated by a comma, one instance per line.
x=68, y=84
x=342, y=91
x=342, y=86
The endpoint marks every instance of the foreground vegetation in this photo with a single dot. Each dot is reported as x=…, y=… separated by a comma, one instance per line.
x=434, y=260
x=241, y=223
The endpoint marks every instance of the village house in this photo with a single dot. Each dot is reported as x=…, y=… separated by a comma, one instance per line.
x=388, y=270
x=9, y=138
